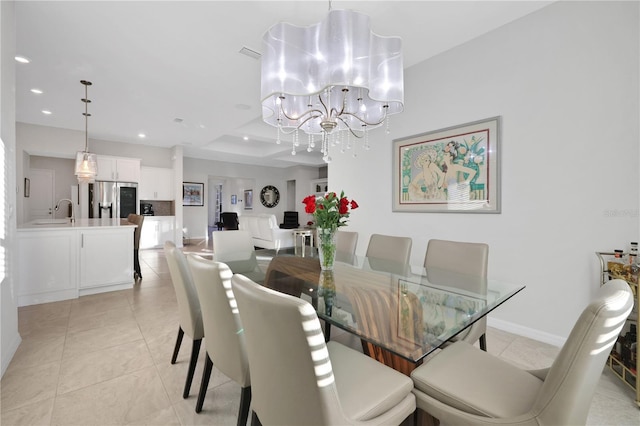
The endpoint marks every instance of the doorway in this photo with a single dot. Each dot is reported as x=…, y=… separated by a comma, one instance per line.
x=214, y=205
x=291, y=195
x=43, y=183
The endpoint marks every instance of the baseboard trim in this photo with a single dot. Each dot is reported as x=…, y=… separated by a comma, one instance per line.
x=10, y=352
x=530, y=333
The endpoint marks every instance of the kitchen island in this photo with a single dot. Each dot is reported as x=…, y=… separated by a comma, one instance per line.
x=59, y=259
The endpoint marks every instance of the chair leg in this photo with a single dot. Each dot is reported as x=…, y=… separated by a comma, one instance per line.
x=195, y=350
x=422, y=418
x=206, y=374
x=255, y=421
x=136, y=264
x=483, y=342
x=245, y=402
x=176, y=349
x=327, y=331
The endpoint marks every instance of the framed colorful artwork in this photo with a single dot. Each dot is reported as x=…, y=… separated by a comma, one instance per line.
x=452, y=170
x=192, y=194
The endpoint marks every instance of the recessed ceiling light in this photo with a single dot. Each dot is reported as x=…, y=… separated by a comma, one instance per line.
x=142, y=135
x=246, y=138
x=202, y=126
x=22, y=59
x=46, y=112
x=36, y=91
x=250, y=53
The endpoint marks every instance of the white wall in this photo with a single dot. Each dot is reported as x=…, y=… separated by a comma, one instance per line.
x=240, y=177
x=565, y=81
x=9, y=336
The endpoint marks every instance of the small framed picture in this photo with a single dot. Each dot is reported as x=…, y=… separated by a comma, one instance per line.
x=192, y=194
x=234, y=199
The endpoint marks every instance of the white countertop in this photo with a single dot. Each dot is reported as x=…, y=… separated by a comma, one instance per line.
x=65, y=224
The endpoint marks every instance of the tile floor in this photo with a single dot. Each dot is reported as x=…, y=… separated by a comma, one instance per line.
x=104, y=360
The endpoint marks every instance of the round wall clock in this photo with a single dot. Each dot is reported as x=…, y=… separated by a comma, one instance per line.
x=269, y=196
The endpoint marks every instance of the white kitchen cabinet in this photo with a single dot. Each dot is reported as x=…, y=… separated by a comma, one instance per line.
x=118, y=169
x=47, y=266
x=106, y=258
x=156, y=183
x=60, y=261
x=156, y=230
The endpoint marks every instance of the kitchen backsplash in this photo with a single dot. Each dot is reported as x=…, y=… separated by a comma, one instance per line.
x=161, y=208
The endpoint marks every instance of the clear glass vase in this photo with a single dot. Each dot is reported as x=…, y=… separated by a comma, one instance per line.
x=327, y=290
x=326, y=238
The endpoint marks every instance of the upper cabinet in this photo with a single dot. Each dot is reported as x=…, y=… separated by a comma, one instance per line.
x=118, y=169
x=319, y=187
x=156, y=183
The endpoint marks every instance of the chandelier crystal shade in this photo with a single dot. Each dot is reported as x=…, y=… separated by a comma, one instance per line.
x=86, y=162
x=334, y=77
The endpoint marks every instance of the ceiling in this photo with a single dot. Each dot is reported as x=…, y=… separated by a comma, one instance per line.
x=172, y=69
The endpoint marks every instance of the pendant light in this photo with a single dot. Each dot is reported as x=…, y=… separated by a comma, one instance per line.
x=86, y=162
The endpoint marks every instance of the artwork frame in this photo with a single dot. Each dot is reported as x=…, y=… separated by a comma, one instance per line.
x=193, y=194
x=248, y=199
x=234, y=199
x=450, y=170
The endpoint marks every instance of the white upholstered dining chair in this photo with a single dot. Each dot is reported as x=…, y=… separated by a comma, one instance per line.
x=389, y=253
x=389, y=247
x=224, y=343
x=235, y=248
x=465, y=259
x=346, y=242
x=188, y=308
x=464, y=385
x=297, y=379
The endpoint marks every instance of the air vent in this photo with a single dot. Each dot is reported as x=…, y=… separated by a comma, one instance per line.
x=250, y=53
x=178, y=120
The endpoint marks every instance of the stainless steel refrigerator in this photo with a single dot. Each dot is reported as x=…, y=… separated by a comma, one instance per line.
x=112, y=199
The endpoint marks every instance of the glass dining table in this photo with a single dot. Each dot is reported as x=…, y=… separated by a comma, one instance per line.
x=401, y=313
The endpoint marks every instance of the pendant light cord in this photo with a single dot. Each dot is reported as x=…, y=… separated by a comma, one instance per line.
x=86, y=114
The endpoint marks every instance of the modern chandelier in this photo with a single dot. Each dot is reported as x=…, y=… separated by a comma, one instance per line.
x=336, y=79
x=86, y=162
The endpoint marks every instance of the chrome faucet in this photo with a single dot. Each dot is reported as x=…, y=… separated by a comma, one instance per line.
x=73, y=216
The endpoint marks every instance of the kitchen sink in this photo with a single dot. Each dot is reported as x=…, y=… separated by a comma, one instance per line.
x=50, y=221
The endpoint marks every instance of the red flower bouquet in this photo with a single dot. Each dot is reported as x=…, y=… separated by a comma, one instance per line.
x=330, y=211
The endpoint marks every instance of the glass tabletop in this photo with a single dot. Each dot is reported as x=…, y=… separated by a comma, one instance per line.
x=405, y=309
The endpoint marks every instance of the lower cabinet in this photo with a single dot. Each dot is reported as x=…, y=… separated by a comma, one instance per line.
x=103, y=262
x=47, y=266
x=68, y=263
x=156, y=230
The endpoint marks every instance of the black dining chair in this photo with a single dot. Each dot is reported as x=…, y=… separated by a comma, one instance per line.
x=229, y=220
x=290, y=221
